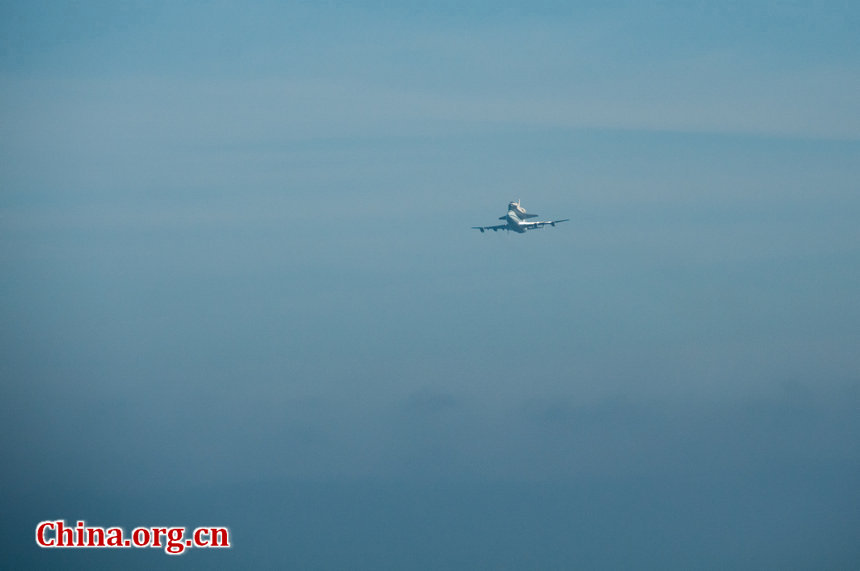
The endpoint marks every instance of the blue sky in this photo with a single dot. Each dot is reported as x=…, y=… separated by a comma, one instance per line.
x=239, y=281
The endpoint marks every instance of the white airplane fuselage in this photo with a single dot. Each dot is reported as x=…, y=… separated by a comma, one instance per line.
x=514, y=222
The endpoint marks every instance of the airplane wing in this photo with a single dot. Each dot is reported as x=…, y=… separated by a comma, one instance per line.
x=536, y=225
x=493, y=228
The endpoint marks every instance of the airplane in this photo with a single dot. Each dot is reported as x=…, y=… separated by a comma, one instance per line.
x=515, y=220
